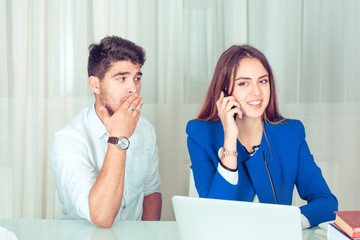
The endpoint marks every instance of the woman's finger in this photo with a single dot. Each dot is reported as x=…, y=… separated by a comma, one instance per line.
x=219, y=101
x=226, y=100
x=234, y=111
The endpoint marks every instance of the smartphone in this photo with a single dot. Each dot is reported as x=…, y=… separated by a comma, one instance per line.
x=226, y=94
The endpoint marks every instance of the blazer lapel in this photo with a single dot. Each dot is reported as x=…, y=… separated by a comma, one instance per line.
x=259, y=175
x=246, y=190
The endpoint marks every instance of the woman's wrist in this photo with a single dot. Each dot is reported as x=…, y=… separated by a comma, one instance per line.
x=230, y=144
x=229, y=162
x=228, y=158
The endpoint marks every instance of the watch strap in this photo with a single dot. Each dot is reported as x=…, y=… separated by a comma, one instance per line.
x=229, y=153
x=223, y=152
x=113, y=140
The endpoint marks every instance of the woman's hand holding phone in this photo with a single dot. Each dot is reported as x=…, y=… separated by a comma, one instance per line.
x=227, y=108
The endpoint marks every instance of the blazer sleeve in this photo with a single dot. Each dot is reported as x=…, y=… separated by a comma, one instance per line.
x=208, y=181
x=312, y=186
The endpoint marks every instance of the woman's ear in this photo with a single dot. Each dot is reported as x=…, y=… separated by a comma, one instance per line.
x=94, y=83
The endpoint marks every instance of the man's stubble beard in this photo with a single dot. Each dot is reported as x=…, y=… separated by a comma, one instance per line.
x=103, y=97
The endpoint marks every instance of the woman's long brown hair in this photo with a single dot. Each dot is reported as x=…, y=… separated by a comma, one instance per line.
x=225, y=73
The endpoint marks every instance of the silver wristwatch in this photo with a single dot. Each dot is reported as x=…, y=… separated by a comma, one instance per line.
x=224, y=153
x=122, y=142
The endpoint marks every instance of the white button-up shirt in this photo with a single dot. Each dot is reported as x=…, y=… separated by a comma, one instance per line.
x=77, y=154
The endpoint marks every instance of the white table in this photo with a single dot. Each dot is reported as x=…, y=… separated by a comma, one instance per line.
x=80, y=229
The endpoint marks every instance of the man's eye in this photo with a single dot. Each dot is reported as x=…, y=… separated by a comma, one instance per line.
x=121, y=79
x=138, y=79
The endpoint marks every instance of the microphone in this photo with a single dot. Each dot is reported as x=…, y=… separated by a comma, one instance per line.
x=271, y=181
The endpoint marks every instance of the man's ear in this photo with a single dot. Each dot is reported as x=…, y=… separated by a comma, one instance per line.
x=94, y=83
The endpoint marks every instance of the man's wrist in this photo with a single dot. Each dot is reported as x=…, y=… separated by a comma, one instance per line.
x=118, y=134
x=122, y=143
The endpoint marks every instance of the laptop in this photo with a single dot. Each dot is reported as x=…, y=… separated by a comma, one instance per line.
x=202, y=218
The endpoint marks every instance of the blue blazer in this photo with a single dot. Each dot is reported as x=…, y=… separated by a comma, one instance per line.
x=290, y=163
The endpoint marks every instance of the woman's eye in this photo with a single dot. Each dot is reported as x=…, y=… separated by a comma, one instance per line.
x=243, y=83
x=264, y=81
x=137, y=79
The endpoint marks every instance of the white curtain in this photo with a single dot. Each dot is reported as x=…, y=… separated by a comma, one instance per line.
x=311, y=45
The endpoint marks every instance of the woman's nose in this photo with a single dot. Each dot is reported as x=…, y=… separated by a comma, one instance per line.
x=256, y=89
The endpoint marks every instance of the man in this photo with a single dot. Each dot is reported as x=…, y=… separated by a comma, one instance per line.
x=105, y=160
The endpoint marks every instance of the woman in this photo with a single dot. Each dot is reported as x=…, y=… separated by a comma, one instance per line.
x=241, y=148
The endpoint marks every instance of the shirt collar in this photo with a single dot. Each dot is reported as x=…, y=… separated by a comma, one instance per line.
x=95, y=122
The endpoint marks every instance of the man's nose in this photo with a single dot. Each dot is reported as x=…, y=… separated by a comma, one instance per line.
x=132, y=88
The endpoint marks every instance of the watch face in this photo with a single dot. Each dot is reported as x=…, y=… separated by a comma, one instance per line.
x=123, y=143
x=221, y=152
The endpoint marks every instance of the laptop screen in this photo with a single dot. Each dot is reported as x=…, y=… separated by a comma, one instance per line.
x=201, y=218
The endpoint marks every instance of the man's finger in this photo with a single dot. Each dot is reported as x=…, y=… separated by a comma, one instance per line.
x=133, y=105
x=136, y=111
x=128, y=99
